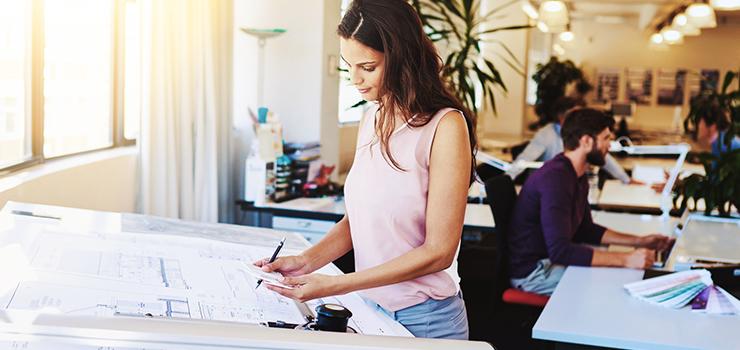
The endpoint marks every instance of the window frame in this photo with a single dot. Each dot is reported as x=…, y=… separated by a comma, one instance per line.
x=35, y=86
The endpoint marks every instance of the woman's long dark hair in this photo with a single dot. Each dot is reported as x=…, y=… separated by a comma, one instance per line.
x=412, y=83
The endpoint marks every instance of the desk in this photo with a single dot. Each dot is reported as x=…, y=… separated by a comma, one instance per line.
x=313, y=217
x=591, y=307
x=637, y=198
x=156, y=280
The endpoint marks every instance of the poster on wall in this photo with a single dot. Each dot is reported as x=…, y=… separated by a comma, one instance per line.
x=607, y=85
x=703, y=80
x=639, y=85
x=671, y=86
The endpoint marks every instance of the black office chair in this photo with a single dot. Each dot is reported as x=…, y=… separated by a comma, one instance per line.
x=502, y=197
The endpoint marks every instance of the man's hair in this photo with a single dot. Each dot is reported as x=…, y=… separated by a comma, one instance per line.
x=714, y=115
x=583, y=121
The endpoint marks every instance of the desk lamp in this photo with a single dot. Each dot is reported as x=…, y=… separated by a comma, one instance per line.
x=681, y=150
x=262, y=35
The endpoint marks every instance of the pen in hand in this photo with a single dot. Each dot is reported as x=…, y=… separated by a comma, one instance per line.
x=272, y=258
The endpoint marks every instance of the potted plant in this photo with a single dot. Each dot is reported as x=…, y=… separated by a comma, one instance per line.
x=552, y=79
x=720, y=186
x=459, y=23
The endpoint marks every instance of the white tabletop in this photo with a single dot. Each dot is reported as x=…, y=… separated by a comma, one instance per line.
x=478, y=215
x=18, y=220
x=590, y=307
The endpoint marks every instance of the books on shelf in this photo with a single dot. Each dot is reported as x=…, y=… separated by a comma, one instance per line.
x=692, y=288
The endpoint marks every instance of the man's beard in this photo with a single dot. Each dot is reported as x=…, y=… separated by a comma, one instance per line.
x=595, y=157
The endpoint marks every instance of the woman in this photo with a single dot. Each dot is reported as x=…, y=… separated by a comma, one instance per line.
x=406, y=192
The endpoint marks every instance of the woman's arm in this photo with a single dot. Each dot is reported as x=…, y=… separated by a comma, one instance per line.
x=449, y=175
x=336, y=242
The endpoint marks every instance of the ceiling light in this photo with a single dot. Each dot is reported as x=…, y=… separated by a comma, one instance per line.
x=701, y=16
x=529, y=10
x=727, y=5
x=680, y=20
x=567, y=36
x=542, y=27
x=671, y=36
x=656, y=38
x=681, y=23
x=554, y=13
x=558, y=49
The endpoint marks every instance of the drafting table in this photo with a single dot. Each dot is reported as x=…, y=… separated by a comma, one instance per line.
x=83, y=276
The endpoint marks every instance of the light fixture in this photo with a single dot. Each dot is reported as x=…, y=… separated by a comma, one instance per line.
x=542, y=27
x=701, y=15
x=726, y=5
x=681, y=23
x=554, y=13
x=656, y=39
x=529, y=9
x=558, y=49
x=567, y=36
x=671, y=36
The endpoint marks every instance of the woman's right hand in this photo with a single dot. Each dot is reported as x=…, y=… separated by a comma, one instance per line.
x=294, y=265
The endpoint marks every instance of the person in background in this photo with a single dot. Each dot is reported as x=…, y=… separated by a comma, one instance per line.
x=711, y=128
x=547, y=143
x=406, y=192
x=552, y=218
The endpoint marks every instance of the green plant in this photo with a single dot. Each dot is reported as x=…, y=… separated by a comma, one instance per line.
x=459, y=24
x=720, y=187
x=552, y=78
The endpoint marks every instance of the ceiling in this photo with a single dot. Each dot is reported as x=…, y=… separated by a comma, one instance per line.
x=644, y=13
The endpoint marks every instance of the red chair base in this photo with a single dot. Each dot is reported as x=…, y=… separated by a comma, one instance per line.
x=518, y=296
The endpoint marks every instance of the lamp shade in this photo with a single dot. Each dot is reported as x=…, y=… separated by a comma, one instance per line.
x=671, y=36
x=701, y=15
x=727, y=5
x=554, y=13
x=681, y=23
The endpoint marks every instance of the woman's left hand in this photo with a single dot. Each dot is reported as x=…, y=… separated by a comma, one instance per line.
x=308, y=287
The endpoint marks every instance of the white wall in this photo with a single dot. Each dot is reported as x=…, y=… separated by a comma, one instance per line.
x=510, y=106
x=104, y=180
x=624, y=45
x=300, y=86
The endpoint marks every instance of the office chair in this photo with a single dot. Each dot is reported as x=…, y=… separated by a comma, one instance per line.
x=502, y=196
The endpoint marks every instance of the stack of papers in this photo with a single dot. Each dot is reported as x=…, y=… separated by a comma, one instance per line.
x=677, y=290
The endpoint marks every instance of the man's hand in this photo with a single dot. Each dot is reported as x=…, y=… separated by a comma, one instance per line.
x=641, y=258
x=655, y=241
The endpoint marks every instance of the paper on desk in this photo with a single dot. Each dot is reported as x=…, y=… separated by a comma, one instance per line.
x=272, y=278
x=648, y=174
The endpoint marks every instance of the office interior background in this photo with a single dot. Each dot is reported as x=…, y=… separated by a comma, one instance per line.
x=143, y=106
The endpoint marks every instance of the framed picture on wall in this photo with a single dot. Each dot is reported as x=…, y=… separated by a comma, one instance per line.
x=639, y=85
x=671, y=86
x=703, y=80
x=607, y=85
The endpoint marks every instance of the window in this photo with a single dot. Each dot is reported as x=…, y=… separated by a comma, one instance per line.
x=77, y=75
x=15, y=146
x=132, y=64
x=62, y=82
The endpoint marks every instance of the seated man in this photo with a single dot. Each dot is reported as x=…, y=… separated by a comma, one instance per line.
x=552, y=217
x=711, y=128
x=547, y=143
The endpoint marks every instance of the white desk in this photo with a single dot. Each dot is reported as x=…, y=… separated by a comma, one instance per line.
x=590, y=307
x=114, y=231
x=638, y=224
x=313, y=217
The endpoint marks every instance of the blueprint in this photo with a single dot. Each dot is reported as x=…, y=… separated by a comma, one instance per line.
x=154, y=272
